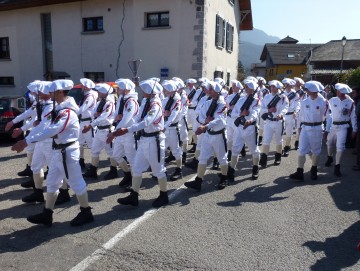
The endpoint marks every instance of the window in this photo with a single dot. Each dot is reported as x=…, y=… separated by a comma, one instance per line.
x=288, y=72
x=231, y=2
x=157, y=19
x=291, y=55
x=218, y=74
x=220, y=32
x=95, y=76
x=229, y=37
x=4, y=48
x=93, y=24
x=6, y=81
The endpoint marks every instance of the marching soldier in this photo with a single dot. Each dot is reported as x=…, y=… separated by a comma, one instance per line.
x=302, y=95
x=245, y=116
x=127, y=108
x=191, y=118
x=263, y=91
x=342, y=114
x=150, y=123
x=86, y=112
x=290, y=116
x=64, y=130
x=311, y=116
x=273, y=109
x=212, y=118
x=103, y=120
x=172, y=115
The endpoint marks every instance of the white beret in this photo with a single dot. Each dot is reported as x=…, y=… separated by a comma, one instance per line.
x=215, y=86
x=289, y=81
x=45, y=87
x=87, y=83
x=124, y=83
x=150, y=86
x=276, y=83
x=251, y=84
x=154, y=79
x=191, y=81
x=237, y=83
x=61, y=84
x=298, y=79
x=34, y=86
x=170, y=85
x=104, y=88
x=203, y=79
x=314, y=86
x=261, y=79
x=251, y=78
x=220, y=81
x=343, y=88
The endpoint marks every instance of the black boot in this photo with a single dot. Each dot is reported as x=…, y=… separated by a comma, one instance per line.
x=127, y=180
x=296, y=145
x=243, y=151
x=176, y=175
x=161, y=200
x=170, y=158
x=223, y=182
x=277, y=159
x=313, y=173
x=131, y=199
x=82, y=163
x=44, y=218
x=112, y=174
x=329, y=161
x=231, y=174
x=229, y=154
x=36, y=196
x=193, y=164
x=263, y=160
x=85, y=216
x=286, y=151
x=193, y=149
x=63, y=196
x=26, y=172
x=215, y=165
x=195, y=184
x=91, y=172
x=29, y=183
x=337, y=170
x=260, y=141
x=255, y=172
x=183, y=159
x=298, y=175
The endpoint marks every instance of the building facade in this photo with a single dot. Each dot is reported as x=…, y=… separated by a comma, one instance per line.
x=96, y=39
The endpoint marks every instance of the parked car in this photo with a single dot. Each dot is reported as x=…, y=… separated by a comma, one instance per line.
x=10, y=107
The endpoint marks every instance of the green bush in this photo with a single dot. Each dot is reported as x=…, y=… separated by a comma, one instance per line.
x=353, y=79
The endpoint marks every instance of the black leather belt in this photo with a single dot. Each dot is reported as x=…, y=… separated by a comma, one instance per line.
x=191, y=107
x=174, y=124
x=61, y=146
x=215, y=132
x=86, y=119
x=149, y=134
x=156, y=135
x=340, y=122
x=104, y=127
x=311, y=123
x=289, y=113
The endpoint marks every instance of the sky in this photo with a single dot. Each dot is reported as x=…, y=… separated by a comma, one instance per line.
x=308, y=21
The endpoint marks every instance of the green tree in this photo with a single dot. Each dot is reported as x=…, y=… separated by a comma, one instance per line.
x=353, y=79
x=241, y=72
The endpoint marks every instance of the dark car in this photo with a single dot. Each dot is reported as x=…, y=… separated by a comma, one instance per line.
x=10, y=107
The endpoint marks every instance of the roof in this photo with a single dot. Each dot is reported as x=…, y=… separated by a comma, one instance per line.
x=333, y=50
x=288, y=40
x=19, y=4
x=246, y=22
x=289, y=54
x=325, y=71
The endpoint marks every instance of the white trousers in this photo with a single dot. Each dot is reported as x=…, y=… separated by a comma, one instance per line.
x=172, y=141
x=230, y=129
x=99, y=143
x=183, y=131
x=213, y=144
x=273, y=129
x=42, y=155
x=245, y=136
x=124, y=146
x=86, y=138
x=56, y=173
x=147, y=155
x=310, y=140
x=337, y=137
x=289, y=125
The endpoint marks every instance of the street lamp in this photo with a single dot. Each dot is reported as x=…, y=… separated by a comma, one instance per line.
x=343, y=42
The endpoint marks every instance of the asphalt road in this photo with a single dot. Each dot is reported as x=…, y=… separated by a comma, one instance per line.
x=272, y=223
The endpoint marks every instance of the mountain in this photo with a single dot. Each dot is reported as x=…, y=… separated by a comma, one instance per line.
x=251, y=44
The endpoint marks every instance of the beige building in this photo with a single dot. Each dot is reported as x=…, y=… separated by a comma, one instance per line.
x=96, y=39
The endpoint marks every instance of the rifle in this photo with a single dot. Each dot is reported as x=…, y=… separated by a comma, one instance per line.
x=233, y=102
x=271, y=104
x=121, y=109
x=102, y=103
x=169, y=104
x=38, y=108
x=192, y=94
x=246, y=105
x=212, y=108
